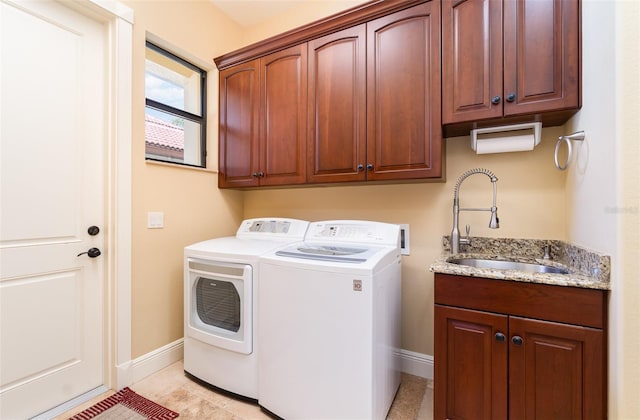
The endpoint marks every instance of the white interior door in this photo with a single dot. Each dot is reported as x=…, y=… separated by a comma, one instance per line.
x=52, y=177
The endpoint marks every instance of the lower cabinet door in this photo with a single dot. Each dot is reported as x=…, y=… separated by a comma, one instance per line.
x=470, y=359
x=556, y=371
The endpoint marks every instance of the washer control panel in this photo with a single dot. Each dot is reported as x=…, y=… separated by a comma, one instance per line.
x=359, y=231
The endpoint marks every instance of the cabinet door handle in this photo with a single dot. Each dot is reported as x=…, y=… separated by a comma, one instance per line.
x=499, y=336
x=255, y=174
x=360, y=167
x=517, y=340
x=260, y=174
x=511, y=97
x=495, y=100
x=369, y=166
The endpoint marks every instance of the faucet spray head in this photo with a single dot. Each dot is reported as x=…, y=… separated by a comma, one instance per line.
x=494, y=223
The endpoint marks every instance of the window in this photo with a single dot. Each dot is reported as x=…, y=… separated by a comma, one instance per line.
x=175, y=123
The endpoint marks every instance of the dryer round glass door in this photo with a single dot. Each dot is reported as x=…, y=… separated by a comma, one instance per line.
x=220, y=304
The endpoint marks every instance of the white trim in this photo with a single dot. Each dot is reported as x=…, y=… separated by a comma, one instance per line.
x=123, y=375
x=117, y=9
x=156, y=360
x=182, y=53
x=417, y=364
x=122, y=109
x=119, y=21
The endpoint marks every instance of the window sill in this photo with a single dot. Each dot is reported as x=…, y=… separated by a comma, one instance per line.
x=178, y=166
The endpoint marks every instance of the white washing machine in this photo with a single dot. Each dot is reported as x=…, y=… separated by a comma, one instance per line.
x=330, y=323
x=220, y=321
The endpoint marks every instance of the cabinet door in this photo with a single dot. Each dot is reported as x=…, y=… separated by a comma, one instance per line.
x=541, y=55
x=471, y=60
x=337, y=107
x=555, y=371
x=404, y=132
x=470, y=357
x=283, y=128
x=238, y=126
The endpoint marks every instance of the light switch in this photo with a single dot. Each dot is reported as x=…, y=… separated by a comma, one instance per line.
x=155, y=220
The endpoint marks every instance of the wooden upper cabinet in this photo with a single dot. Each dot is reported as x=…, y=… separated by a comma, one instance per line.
x=238, y=125
x=283, y=129
x=374, y=99
x=262, y=128
x=471, y=59
x=404, y=136
x=541, y=55
x=357, y=98
x=337, y=107
x=511, y=58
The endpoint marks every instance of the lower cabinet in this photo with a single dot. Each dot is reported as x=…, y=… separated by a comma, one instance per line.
x=506, y=349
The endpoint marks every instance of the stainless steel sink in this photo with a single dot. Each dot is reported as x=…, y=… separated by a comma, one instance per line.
x=508, y=265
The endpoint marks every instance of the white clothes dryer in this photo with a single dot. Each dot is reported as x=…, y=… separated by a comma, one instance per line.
x=330, y=323
x=221, y=279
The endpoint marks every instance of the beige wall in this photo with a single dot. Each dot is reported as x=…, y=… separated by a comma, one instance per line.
x=627, y=290
x=305, y=12
x=603, y=187
x=530, y=205
x=194, y=209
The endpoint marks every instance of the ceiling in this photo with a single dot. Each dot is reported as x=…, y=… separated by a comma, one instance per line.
x=251, y=12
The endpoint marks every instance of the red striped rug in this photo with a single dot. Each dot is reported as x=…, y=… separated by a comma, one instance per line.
x=126, y=404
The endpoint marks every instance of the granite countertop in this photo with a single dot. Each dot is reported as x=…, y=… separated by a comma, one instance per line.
x=587, y=269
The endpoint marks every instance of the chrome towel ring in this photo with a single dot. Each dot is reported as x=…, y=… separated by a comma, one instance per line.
x=577, y=136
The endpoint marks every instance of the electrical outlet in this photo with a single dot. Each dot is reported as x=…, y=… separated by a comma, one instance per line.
x=404, y=240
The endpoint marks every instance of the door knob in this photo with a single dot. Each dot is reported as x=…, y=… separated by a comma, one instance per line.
x=93, y=230
x=517, y=340
x=92, y=253
x=499, y=336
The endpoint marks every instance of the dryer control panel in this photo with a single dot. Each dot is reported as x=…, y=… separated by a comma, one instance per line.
x=273, y=228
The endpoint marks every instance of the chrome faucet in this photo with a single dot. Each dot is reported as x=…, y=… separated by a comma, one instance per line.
x=493, y=223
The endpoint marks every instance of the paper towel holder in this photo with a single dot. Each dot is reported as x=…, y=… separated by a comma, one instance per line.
x=577, y=136
x=505, y=144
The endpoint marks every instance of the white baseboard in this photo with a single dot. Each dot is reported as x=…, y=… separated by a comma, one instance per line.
x=413, y=363
x=124, y=376
x=417, y=364
x=156, y=360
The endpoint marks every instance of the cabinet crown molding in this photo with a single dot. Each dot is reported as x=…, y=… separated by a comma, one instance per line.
x=350, y=17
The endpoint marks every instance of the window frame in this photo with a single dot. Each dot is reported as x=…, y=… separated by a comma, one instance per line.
x=201, y=120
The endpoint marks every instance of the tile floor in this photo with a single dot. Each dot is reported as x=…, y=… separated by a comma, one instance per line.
x=172, y=389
